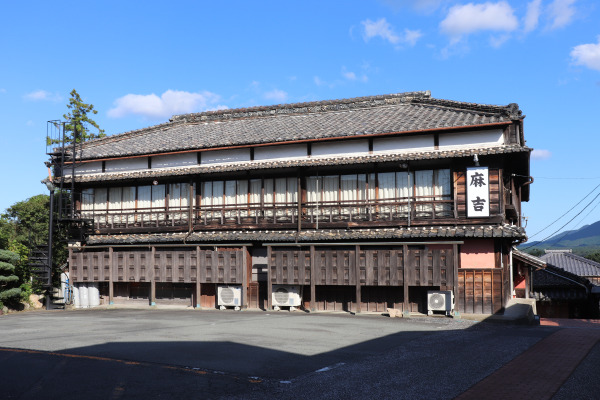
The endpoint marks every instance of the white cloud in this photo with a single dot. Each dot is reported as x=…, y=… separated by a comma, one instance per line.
x=541, y=154
x=30, y=123
x=561, y=13
x=411, y=37
x=351, y=76
x=470, y=18
x=532, y=16
x=276, y=95
x=587, y=55
x=318, y=81
x=170, y=103
x=42, y=95
x=379, y=28
x=2, y=90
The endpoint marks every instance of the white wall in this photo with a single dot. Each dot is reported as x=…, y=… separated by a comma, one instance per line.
x=85, y=169
x=126, y=165
x=225, y=156
x=400, y=144
x=174, y=160
x=472, y=139
x=280, y=152
x=340, y=148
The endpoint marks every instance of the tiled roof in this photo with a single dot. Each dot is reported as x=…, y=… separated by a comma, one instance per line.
x=556, y=283
x=401, y=112
x=528, y=258
x=572, y=263
x=415, y=233
x=304, y=162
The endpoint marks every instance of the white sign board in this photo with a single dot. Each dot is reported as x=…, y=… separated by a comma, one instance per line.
x=478, y=192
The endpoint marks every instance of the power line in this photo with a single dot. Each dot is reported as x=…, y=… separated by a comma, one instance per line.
x=571, y=209
x=569, y=221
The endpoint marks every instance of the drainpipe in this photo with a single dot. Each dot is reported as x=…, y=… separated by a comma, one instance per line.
x=512, y=283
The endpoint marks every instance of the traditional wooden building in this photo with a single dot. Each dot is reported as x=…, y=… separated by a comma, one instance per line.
x=569, y=286
x=358, y=204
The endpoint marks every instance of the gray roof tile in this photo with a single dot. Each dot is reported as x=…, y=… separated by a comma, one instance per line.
x=402, y=112
x=572, y=263
x=479, y=231
x=306, y=162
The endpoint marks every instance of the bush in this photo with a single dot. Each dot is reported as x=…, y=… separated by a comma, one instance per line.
x=9, y=256
x=9, y=295
x=26, y=292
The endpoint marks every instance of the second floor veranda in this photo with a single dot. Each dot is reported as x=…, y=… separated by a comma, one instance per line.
x=377, y=199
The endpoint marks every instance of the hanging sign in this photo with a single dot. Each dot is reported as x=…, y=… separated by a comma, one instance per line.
x=478, y=192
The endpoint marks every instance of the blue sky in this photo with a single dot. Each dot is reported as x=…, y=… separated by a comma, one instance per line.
x=141, y=62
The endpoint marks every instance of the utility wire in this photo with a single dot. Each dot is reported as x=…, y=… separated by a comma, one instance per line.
x=568, y=222
x=558, y=219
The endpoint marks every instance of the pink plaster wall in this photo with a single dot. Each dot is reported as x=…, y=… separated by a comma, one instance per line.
x=477, y=254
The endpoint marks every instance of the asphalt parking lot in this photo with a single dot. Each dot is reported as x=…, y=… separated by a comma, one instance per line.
x=112, y=354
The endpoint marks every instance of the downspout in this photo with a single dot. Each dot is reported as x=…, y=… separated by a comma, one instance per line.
x=528, y=182
x=512, y=283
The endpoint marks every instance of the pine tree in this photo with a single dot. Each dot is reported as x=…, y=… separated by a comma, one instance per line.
x=78, y=117
x=8, y=293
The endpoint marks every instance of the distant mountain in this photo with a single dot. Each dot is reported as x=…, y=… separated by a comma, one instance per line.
x=583, y=240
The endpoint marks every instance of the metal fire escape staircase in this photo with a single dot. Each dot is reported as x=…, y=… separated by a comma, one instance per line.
x=64, y=213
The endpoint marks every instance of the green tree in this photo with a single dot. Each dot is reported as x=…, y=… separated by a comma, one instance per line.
x=24, y=225
x=10, y=294
x=78, y=117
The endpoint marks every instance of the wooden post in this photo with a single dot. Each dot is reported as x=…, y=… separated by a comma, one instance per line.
x=357, y=277
x=111, y=289
x=299, y=196
x=269, y=285
x=198, y=283
x=405, y=267
x=455, y=273
x=153, y=279
x=313, y=289
x=246, y=283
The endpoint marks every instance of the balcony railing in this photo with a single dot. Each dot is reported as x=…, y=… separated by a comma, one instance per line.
x=276, y=214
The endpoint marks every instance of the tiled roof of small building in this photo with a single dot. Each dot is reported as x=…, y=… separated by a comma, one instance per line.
x=572, y=263
x=323, y=235
x=401, y=112
x=290, y=163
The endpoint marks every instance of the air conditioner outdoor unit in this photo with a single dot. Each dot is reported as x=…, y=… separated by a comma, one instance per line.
x=286, y=296
x=229, y=296
x=440, y=300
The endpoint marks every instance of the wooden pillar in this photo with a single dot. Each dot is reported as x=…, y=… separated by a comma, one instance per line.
x=246, y=283
x=299, y=196
x=269, y=284
x=455, y=277
x=198, y=284
x=357, y=277
x=405, y=267
x=111, y=289
x=313, y=289
x=153, y=279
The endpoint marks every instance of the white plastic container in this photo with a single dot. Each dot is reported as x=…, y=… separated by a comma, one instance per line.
x=84, y=296
x=93, y=294
x=76, y=301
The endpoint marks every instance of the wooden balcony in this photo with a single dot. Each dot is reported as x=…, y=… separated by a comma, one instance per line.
x=276, y=216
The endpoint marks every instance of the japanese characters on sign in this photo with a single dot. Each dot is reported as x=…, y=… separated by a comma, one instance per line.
x=478, y=192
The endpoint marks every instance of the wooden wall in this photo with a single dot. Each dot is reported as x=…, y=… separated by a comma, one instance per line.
x=160, y=265
x=377, y=266
x=480, y=290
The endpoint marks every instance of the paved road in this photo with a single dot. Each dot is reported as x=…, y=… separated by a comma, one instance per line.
x=104, y=354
